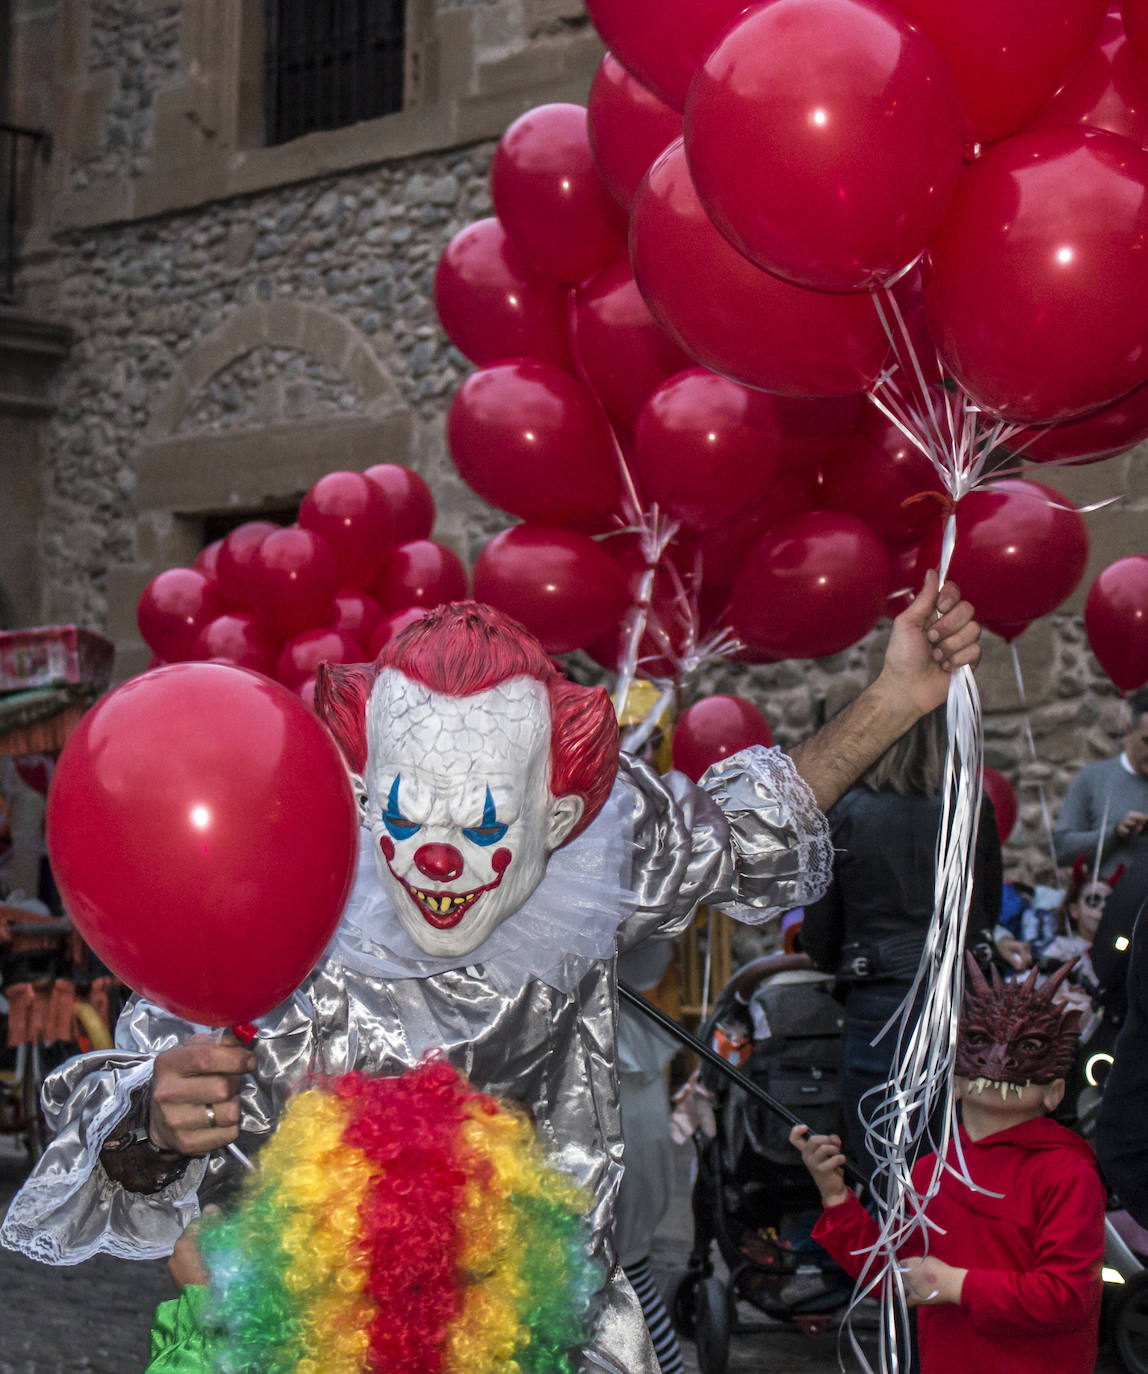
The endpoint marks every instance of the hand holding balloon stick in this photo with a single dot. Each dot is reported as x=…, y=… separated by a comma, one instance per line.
x=203, y=834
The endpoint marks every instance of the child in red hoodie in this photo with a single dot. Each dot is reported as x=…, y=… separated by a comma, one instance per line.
x=1010, y=1282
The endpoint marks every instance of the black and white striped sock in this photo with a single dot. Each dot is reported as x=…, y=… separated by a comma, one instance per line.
x=657, y=1318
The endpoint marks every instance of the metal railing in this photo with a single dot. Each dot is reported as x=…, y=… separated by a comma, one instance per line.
x=34, y=141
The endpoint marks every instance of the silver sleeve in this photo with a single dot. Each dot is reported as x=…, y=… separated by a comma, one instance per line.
x=749, y=838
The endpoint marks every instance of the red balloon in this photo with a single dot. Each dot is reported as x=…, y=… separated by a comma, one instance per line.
x=233, y=562
x=240, y=639
x=1110, y=90
x=561, y=585
x=408, y=498
x=628, y=127
x=737, y=320
x=825, y=140
x=350, y=512
x=421, y=573
x=550, y=198
x=306, y=692
x=1099, y=434
x=1135, y=14
x=706, y=448
x=356, y=614
x=392, y=625
x=813, y=428
x=207, y=559
x=811, y=587
x=532, y=440
x=663, y=52
x=669, y=623
x=173, y=608
x=1007, y=59
x=725, y=546
x=1021, y=549
x=494, y=305
x=874, y=475
x=714, y=728
x=1000, y=792
x=623, y=353
x=204, y=838
x=1116, y=621
x=293, y=580
x=303, y=653
x=906, y=576
x=1037, y=284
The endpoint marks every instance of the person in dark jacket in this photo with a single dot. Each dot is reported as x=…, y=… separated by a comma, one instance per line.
x=1122, y=1123
x=871, y=925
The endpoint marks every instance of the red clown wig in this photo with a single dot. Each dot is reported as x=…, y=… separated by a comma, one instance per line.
x=464, y=648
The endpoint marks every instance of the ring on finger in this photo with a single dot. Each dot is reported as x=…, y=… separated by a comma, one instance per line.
x=211, y=1122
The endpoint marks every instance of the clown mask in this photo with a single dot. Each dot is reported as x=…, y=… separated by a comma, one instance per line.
x=458, y=802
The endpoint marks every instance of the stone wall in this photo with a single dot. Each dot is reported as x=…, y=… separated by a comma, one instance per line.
x=230, y=349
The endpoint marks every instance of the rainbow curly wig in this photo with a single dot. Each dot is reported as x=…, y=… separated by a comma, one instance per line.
x=400, y=1224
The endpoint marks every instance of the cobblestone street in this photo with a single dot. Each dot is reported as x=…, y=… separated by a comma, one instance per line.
x=95, y=1316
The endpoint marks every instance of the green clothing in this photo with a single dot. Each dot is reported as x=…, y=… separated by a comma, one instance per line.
x=179, y=1339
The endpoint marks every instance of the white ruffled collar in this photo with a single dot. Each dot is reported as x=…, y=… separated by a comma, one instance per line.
x=567, y=924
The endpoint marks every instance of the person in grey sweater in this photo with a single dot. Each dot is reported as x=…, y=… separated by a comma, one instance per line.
x=1106, y=807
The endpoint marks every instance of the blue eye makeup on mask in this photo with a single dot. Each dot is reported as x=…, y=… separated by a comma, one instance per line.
x=489, y=830
x=398, y=827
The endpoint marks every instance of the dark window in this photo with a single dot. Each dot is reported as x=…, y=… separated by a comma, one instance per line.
x=329, y=63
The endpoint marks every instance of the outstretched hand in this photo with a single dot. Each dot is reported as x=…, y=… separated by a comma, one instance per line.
x=931, y=639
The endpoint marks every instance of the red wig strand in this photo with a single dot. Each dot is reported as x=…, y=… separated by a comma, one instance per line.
x=466, y=647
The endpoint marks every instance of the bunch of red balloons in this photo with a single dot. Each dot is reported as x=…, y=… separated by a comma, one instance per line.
x=674, y=319
x=355, y=569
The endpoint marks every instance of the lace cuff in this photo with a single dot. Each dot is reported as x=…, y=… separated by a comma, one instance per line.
x=69, y=1210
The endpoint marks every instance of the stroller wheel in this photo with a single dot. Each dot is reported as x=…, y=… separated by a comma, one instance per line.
x=683, y=1303
x=712, y=1325
x=1130, y=1324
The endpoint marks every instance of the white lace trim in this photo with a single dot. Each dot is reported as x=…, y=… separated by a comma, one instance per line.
x=26, y=1228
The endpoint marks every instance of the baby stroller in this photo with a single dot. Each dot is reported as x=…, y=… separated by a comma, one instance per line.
x=752, y=1197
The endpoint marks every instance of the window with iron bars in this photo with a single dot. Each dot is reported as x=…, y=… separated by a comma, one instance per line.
x=329, y=63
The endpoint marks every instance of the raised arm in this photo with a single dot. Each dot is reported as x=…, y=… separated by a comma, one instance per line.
x=931, y=639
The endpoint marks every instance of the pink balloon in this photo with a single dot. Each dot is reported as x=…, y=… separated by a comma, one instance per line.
x=349, y=512
x=238, y=638
x=207, y=560
x=623, y=352
x=293, y=578
x=1116, y=621
x=1110, y=90
x=732, y=317
x=712, y=729
x=173, y=608
x=825, y=140
x=355, y=613
x=1007, y=59
x=811, y=587
x=421, y=573
x=494, y=305
x=628, y=126
x=409, y=500
x=556, y=582
x=1135, y=14
x=1099, y=434
x=303, y=653
x=532, y=440
x=233, y=562
x=706, y=448
x=1037, y=284
x=878, y=475
x=550, y=198
x=662, y=52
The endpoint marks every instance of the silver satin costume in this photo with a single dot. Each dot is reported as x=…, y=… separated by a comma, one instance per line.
x=753, y=839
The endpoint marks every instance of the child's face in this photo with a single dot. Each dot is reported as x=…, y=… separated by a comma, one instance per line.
x=1088, y=908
